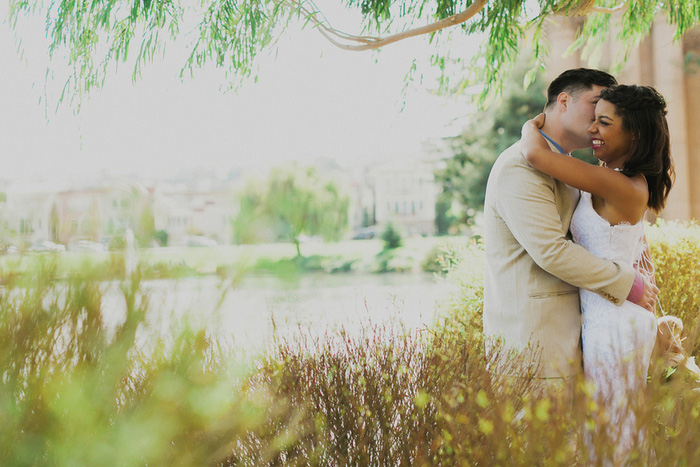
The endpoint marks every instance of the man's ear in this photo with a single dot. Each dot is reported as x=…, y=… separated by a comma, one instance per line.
x=563, y=101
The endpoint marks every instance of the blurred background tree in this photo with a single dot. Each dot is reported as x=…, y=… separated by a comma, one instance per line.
x=138, y=212
x=293, y=202
x=490, y=132
x=303, y=202
x=252, y=224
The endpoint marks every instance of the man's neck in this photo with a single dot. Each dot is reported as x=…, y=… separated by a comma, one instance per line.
x=555, y=132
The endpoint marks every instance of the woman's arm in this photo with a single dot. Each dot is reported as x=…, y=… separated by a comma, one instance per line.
x=617, y=189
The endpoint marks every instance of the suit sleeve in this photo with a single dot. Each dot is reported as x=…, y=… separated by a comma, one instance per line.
x=527, y=205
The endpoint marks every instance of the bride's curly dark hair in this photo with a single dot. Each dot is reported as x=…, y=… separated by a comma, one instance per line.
x=643, y=113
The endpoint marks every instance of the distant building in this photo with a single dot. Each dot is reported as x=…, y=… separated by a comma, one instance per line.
x=100, y=214
x=27, y=212
x=184, y=213
x=30, y=213
x=361, y=196
x=405, y=193
x=76, y=215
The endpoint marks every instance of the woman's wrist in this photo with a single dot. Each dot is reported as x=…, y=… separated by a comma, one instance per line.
x=637, y=291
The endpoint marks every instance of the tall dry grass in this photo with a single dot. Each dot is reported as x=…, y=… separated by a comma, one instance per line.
x=74, y=392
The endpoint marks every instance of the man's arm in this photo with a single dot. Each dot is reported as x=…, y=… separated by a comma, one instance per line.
x=527, y=205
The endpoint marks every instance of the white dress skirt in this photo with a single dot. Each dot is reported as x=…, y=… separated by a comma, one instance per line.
x=617, y=340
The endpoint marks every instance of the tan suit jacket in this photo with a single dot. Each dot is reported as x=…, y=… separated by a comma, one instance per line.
x=533, y=269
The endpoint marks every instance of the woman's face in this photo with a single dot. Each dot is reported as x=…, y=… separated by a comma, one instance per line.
x=611, y=141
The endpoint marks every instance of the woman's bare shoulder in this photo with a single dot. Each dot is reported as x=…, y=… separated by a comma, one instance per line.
x=632, y=207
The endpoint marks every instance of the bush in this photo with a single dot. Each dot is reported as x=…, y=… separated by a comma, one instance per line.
x=161, y=237
x=391, y=237
x=390, y=397
x=463, y=313
x=675, y=251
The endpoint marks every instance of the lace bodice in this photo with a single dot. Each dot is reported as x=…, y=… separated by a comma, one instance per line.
x=623, y=243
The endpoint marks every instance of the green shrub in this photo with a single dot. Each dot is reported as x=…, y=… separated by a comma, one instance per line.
x=391, y=237
x=675, y=251
x=462, y=312
x=292, y=267
x=161, y=236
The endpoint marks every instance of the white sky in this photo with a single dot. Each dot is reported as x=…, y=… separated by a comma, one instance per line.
x=312, y=100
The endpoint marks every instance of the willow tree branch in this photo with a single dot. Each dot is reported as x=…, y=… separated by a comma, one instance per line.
x=368, y=43
x=609, y=11
x=337, y=37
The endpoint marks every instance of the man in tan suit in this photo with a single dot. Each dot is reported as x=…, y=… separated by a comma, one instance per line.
x=533, y=269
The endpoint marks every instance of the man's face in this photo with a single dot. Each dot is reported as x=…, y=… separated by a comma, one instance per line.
x=580, y=114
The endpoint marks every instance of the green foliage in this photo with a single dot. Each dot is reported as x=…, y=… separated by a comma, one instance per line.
x=392, y=258
x=145, y=231
x=464, y=176
x=230, y=34
x=161, y=236
x=294, y=202
x=444, y=217
x=135, y=211
x=391, y=237
x=464, y=265
x=504, y=25
x=398, y=260
x=78, y=392
x=292, y=267
x=252, y=224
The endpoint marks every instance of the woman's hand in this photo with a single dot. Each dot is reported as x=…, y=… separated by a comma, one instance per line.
x=531, y=132
x=532, y=140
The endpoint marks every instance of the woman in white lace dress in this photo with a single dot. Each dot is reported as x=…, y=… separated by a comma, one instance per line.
x=630, y=137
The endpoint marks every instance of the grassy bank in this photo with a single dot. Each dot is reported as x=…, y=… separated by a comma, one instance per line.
x=75, y=393
x=346, y=256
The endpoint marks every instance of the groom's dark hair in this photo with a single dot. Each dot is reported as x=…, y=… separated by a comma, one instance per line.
x=576, y=81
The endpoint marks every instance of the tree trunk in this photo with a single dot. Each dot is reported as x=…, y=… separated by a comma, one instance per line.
x=297, y=244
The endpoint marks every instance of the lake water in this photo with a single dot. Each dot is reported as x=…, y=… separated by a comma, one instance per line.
x=262, y=307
